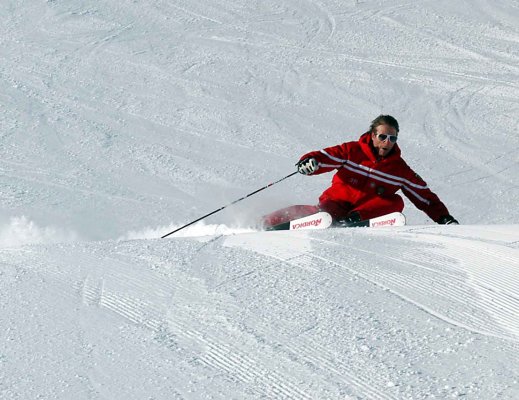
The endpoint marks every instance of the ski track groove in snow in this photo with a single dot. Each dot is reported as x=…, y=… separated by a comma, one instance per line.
x=452, y=47
x=318, y=355
x=501, y=306
x=488, y=235
x=218, y=353
x=239, y=365
x=420, y=305
x=321, y=358
x=311, y=351
x=227, y=358
x=327, y=24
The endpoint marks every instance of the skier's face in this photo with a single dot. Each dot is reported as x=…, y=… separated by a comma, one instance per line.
x=383, y=147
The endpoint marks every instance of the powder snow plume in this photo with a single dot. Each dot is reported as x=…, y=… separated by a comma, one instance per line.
x=20, y=231
x=197, y=230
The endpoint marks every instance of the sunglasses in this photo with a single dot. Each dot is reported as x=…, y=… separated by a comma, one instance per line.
x=383, y=137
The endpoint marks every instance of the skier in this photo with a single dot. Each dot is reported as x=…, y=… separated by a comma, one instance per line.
x=369, y=173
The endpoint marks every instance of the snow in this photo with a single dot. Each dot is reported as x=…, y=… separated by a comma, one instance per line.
x=124, y=120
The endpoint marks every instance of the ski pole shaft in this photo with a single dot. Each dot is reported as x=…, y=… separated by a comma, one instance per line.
x=230, y=204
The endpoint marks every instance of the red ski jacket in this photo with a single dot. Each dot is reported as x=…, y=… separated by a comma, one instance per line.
x=361, y=176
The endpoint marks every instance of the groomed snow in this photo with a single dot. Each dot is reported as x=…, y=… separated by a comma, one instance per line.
x=123, y=120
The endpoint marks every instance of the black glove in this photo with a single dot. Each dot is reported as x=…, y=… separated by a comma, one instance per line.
x=307, y=166
x=447, y=220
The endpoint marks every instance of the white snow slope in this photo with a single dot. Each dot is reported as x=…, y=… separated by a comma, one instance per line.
x=122, y=120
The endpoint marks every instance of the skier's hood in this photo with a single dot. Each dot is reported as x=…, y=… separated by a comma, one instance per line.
x=369, y=150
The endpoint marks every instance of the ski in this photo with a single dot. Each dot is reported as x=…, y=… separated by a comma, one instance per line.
x=323, y=220
x=320, y=220
x=392, y=219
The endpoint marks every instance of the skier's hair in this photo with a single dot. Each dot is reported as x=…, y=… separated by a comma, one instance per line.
x=384, y=120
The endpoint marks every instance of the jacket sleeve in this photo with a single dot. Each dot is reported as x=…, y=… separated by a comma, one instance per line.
x=329, y=158
x=417, y=191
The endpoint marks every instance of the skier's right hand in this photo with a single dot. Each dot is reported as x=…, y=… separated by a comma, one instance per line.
x=307, y=166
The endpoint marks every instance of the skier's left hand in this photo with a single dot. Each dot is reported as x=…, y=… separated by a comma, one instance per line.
x=448, y=220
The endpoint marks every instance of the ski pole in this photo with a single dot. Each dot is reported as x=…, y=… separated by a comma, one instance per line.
x=230, y=204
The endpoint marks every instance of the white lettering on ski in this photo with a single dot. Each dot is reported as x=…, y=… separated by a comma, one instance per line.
x=314, y=222
x=387, y=222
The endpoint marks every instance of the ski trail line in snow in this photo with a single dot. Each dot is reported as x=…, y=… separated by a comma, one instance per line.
x=108, y=290
x=494, y=294
x=307, y=350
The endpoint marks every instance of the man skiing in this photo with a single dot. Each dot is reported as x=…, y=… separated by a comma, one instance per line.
x=369, y=173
